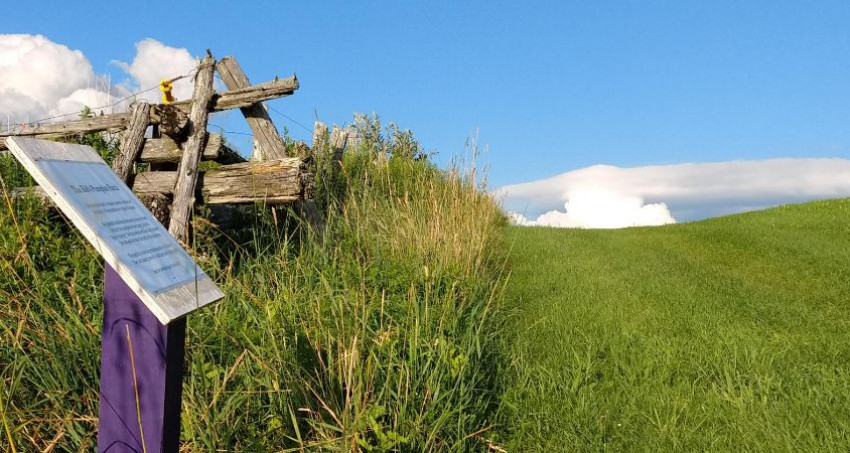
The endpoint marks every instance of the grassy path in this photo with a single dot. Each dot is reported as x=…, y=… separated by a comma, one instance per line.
x=731, y=334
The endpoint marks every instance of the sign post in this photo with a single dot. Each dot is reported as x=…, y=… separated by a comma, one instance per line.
x=151, y=283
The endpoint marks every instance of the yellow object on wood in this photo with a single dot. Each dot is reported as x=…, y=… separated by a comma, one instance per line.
x=165, y=87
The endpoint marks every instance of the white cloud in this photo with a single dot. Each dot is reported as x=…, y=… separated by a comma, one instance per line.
x=36, y=74
x=592, y=208
x=604, y=196
x=40, y=78
x=155, y=61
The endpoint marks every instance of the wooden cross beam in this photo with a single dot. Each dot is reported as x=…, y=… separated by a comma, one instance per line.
x=233, y=99
x=267, y=142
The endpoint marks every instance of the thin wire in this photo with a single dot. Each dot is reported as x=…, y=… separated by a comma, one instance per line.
x=221, y=130
x=290, y=119
x=132, y=95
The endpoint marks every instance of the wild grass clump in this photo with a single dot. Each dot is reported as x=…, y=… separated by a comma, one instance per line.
x=378, y=334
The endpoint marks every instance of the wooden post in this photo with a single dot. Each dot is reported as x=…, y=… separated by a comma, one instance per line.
x=320, y=136
x=339, y=138
x=132, y=141
x=307, y=208
x=267, y=142
x=187, y=176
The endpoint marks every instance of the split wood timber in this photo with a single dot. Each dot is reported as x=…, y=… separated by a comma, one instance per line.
x=267, y=141
x=339, y=138
x=320, y=135
x=272, y=182
x=165, y=149
x=132, y=141
x=187, y=171
x=339, y=141
x=229, y=100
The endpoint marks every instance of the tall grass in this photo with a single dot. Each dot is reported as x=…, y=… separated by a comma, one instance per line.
x=377, y=335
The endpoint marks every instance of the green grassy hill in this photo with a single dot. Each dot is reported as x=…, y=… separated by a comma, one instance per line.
x=731, y=334
x=399, y=329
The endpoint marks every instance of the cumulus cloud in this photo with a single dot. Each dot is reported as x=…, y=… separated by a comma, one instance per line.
x=155, y=61
x=36, y=75
x=40, y=78
x=604, y=196
x=600, y=208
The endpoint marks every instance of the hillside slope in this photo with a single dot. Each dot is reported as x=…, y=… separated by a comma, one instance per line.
x=727, y=334
x=378, y=335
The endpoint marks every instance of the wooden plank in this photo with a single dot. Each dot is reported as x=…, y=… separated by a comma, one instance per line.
x=272, y=182
x=320, y=136
x=230, y=100
x=187, y=171
x=132, y=141
x=100, y=123
x=339, y=138
x=43, y=159
x=267, y=142
x=165, y=149
x=245, y=97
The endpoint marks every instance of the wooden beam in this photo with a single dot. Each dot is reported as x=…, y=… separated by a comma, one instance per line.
x=165, y=149
x=246, y=97
x=267, y=142
x=132, y=141
x=273, y=182
x=101, y=123
x=229, y=100
x=339, y=138
x=187, y=171
x=243, y=97
x=320, y=136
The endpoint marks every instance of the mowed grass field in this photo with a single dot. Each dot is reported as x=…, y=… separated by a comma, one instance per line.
x=731, y=334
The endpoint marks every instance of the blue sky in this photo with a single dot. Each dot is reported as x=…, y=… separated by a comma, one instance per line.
x=552, y=86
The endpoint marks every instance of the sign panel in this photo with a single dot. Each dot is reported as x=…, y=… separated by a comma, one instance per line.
x=117, y=224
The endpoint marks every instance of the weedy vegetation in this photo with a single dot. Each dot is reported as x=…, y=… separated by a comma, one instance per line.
x=378, y=335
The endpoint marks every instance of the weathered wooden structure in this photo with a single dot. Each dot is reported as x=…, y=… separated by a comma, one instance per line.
x=181, y=141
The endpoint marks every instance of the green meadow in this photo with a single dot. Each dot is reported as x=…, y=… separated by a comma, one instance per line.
x=729, y=334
